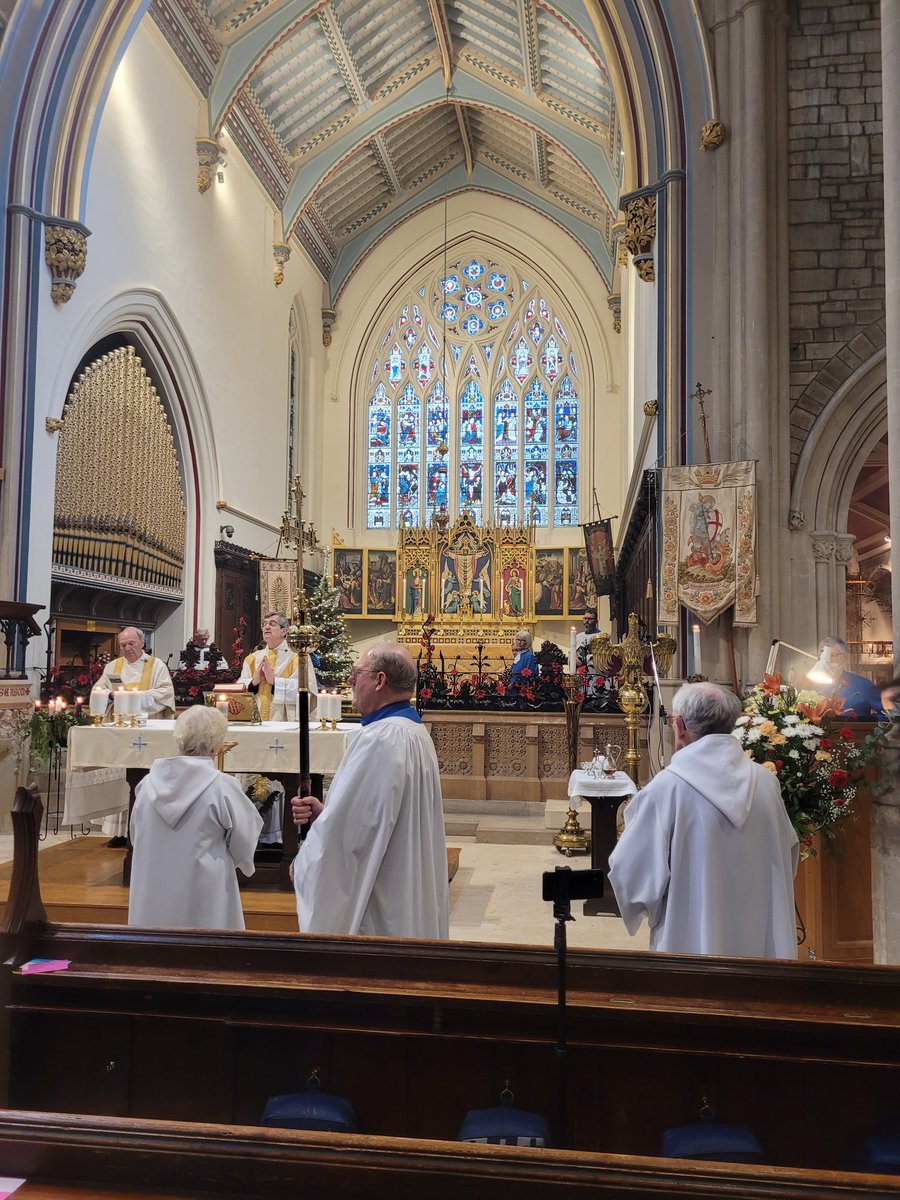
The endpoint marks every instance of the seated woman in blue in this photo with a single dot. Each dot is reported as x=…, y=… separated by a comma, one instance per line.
x=523, y=657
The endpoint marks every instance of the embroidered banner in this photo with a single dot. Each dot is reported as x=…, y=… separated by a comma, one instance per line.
x=599, y=546
x=709, y=541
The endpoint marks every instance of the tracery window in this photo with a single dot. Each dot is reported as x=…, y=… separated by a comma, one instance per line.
x=472, y=403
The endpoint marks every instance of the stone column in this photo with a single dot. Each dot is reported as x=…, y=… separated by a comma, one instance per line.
x=886, y=808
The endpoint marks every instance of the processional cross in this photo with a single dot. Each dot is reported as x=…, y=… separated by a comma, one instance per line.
x=299, y=535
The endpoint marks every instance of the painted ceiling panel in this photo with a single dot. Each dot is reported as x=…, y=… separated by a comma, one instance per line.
x=355, y=62
x=488, y=29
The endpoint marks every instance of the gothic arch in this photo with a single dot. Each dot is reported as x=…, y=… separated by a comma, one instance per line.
x=145, y=317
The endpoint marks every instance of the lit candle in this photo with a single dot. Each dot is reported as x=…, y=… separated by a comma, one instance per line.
x=99, y=702
x=37, y=706
x=60, y=704
x=79, y=701
x=573, y=634
x=698, y=667
x=222, y=706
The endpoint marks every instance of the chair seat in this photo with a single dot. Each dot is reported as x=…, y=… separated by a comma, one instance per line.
x=311, y=1109
x=712, y=1141
x=505, y=1126
x=882, y=1154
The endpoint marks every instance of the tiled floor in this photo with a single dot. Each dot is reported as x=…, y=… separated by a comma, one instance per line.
x=496, y=897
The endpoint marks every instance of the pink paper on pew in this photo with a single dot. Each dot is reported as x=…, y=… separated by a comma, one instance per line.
x=41, y=966
x=8, y=1186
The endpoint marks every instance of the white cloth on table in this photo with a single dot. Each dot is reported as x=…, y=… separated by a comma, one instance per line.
x=284, y=690
x=159, y=699
x=583, y=784
x=93, y=794
x=190, y=827
x=375, y=860
x=709, y=856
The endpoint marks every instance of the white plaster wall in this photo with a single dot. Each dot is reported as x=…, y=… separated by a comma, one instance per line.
x=208, y=261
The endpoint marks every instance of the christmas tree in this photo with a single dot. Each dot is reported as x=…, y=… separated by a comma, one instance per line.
x=333, y=640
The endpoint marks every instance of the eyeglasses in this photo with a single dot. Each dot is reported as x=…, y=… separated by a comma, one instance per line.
x=356, y=672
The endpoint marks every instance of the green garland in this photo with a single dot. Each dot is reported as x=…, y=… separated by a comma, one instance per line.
x=49, y=734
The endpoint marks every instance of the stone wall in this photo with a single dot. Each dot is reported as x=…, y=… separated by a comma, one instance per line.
x=836, y=189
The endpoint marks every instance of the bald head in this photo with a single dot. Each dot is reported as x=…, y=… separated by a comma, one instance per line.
x=131, y=643
x=384, y=675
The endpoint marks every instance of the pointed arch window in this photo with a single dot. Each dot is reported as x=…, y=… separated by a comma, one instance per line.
x=472, y=403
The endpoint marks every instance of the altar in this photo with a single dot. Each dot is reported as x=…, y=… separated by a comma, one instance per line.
x=272, y=749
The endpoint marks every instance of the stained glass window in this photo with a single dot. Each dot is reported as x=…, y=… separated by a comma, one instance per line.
x=472, y=402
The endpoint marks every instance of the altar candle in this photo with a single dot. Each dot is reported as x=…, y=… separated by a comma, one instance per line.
x=573, y=634
x=60, y=704
x=222, y=706
x=37, y=706
x=120, y=702
x=695, y=632
x=99, y=702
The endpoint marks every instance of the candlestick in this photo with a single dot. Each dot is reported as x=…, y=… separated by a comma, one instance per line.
x=695, y=633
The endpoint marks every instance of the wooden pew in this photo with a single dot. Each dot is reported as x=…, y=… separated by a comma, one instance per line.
x=69, y=1158
x=200, y=1026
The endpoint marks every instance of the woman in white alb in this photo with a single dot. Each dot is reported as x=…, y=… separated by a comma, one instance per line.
x=191, y=826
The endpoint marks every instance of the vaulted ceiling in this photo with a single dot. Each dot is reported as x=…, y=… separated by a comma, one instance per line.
x=356, y=113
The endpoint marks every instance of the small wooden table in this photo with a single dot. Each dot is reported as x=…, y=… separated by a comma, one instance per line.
x=604, y=794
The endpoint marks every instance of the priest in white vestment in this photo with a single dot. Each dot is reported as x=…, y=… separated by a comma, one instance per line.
x=708, y=854
x=271, y=673
x=141, y=672
x=190, y=828
x=375, y=859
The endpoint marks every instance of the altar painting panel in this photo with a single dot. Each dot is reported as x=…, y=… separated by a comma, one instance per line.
x=381, y=583
x=417, y=591
x=513, y=582
x=581, y=592
x=348, y=580
x=549, y=582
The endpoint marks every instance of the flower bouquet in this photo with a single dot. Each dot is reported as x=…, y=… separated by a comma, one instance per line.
x=795, y=735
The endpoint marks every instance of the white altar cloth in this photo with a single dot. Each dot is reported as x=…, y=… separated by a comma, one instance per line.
x=620, y=784
x=272, y=748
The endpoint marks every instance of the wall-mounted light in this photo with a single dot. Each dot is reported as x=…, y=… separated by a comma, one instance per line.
x=226, y=531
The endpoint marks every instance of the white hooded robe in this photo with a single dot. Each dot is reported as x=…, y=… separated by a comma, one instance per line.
x=708, y=855
x=190, y=827
x=375, y=859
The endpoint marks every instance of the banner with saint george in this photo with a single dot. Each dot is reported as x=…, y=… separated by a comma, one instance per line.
x=709, y=541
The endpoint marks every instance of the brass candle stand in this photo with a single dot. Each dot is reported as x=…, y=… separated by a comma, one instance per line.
x=633, y=699
x=571, y=837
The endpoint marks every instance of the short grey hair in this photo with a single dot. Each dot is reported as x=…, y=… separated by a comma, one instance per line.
x=833, y=643
x=397, y=664
x=139, y=632
x=200, y=731
x=282, y=619
x=706, y=708
x=525, y=636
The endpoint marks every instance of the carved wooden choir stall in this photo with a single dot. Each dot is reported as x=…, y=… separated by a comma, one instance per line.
x=168, y=1045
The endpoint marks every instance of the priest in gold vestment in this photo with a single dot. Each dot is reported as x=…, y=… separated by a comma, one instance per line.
x=271, y=673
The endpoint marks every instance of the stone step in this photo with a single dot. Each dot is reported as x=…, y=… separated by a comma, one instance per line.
x=513, y=831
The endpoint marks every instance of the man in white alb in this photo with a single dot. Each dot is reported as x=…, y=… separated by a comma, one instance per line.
x=138, y=671
x=272, y=673
x=708, y=854
x=375, y=860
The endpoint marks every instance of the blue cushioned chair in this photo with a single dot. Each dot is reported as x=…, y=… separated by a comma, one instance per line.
x=505, y=1125
x=710, y=1140
x=310, y=1109
x=882, y=1154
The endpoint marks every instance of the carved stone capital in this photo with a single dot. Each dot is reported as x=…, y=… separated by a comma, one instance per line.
x=210, y=155
x=796, y=519
x=65, y=253
x=843, y=547
x=712, y=135
x=822, y=546
x=281, y=252
x=640, y=230
x=53, y=424
x=329, y=316
x=651, y=408
x=614, y=304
